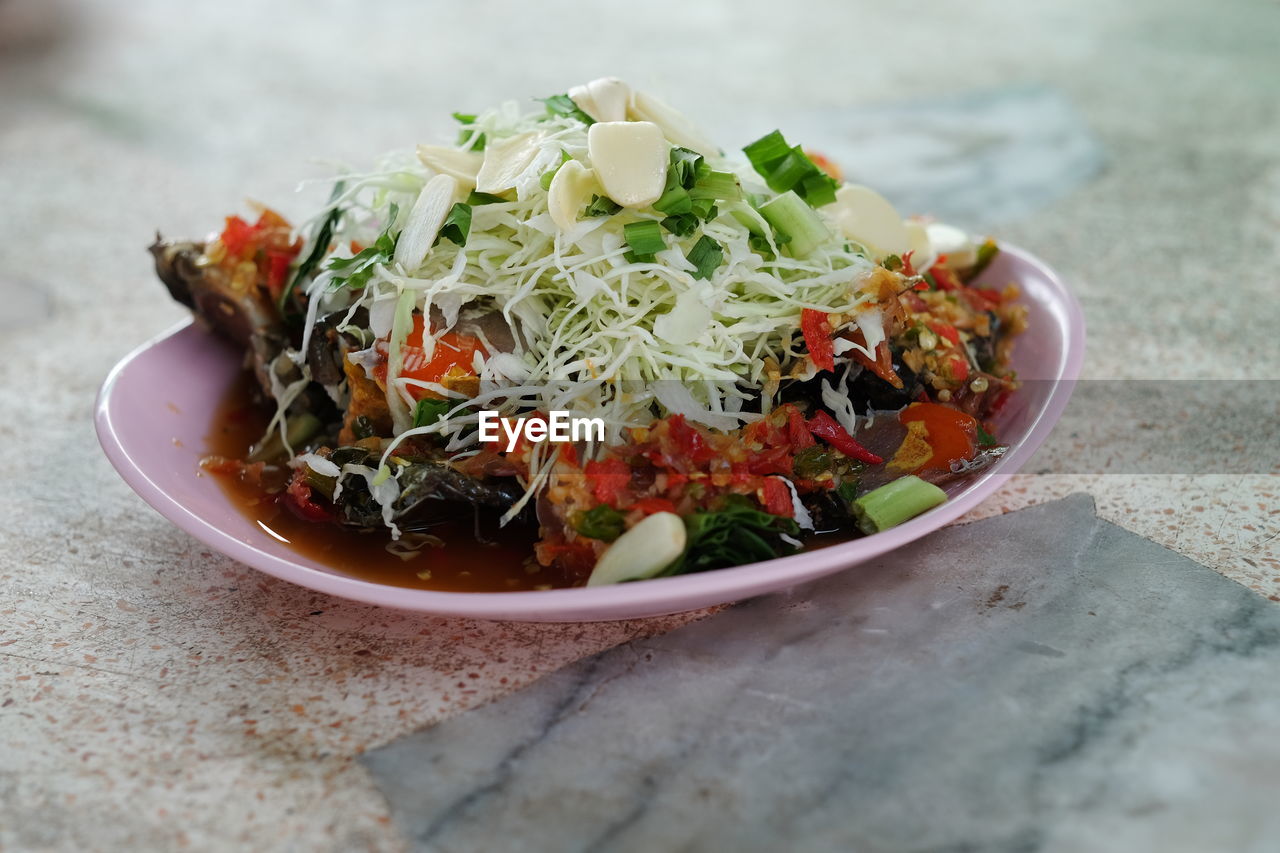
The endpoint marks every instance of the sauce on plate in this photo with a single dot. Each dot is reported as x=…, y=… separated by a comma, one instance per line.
x=461, y=564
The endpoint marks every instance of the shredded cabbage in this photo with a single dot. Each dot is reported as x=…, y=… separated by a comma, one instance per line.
x=595, y=334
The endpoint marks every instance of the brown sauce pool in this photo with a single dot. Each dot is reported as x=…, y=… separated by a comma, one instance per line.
x=462, y=564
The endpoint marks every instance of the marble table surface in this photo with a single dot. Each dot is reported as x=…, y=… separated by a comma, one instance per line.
x=154, y=694
x=1028, y=682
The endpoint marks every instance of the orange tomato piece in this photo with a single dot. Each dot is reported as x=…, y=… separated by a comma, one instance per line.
x=452, y=358
x=952, y=434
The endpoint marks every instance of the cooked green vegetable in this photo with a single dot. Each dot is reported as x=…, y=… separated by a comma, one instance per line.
x=733, y=535
x=319, y=247
x=987, y=252
x=302, y=428
x=811, y=462
x=429, y=410
x=356, y=271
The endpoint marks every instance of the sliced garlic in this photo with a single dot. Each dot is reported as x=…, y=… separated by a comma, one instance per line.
x=605, y=99
x=630, y=159
x=959, y=247
x=505, y=161
x=918, y=243
x=866, y=217
x=674, y=125
x=461, y=165
x=643, y=551
x=424, y=221
x=570, y=189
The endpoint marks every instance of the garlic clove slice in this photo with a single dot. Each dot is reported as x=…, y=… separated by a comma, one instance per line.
x=866, y=217
x=505, y=161
x=425, y=218
x=961, y=249
x=605, y=99
x=674, y=125
x=630, y=159
x=570, y=189
x=643, y=551
x=462, y=166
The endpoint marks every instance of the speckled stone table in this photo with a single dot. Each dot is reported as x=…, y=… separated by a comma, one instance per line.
x=154, y=694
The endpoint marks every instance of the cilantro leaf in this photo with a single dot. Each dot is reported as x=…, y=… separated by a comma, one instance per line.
x=563, y=105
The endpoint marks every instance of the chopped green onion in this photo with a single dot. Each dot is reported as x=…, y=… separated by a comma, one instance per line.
x=601, y=206
x=457, y=225
x=759, y=244
x=644, y=239
x=722, y=186
x=563, y=105
x=682, y=225
x=767, y=151
x=789, y=171
x=706, y=255
x=704, y=208
x=749, y=222
x=818, y=188
x=893, y=263
x=896, y=502
x=790, y=215
x=684, y=168
x=674, y=201
x=788, y=168
x=601, y=522
x=985, y=439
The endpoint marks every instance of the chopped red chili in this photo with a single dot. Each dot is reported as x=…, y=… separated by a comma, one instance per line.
x=816, y=329
x=829, y=430
x=777, y=497
x=649, y=506
x=608, y=478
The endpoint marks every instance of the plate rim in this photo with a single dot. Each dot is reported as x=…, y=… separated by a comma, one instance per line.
x=606, y=603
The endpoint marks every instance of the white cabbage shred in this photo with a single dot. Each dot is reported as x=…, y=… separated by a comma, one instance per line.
x=594, y=333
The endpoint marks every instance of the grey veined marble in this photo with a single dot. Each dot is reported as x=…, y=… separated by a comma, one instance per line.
x=976, y=159
x=1039, y=681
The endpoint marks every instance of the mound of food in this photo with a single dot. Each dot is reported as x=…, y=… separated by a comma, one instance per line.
x=767, y=352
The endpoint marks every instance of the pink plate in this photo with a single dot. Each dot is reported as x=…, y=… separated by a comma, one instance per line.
x=157, y=404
